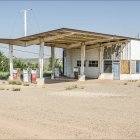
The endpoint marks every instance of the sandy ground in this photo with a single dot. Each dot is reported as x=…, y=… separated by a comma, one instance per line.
x=97, y=109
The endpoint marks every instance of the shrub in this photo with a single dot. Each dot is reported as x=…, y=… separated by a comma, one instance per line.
x=2, y=88
x=68, y=88
x=26, y=84
x=15, y=82
x=4, y=75
x=16, y=89
x=71, y=87
x=47, y=74
x=82, y=87
x=125, y=83
x=74, y=86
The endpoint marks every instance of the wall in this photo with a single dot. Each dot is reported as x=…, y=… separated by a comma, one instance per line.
x=131, y=52
x=129, y=76
x=106, y=76
x=68, y=64
x=135, y=50
x=125, y=53
x=92, y=54
x=72, y=55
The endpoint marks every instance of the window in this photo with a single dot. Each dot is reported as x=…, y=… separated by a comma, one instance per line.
x=79, y=63
x=93, y=63
x=108, y=66
x=112, y=52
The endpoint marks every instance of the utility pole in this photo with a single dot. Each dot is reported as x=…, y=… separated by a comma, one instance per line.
x=25, y=20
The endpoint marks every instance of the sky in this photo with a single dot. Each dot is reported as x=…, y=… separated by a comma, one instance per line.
x=111, y=17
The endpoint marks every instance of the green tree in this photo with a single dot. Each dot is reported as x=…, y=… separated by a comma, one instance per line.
x=57, y=63
x=4, y=63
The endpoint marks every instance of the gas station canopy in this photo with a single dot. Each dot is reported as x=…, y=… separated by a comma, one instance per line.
x=66, y=38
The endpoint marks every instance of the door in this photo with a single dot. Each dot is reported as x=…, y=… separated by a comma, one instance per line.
x=116, y=70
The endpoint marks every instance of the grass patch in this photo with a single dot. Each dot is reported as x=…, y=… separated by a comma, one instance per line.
x=16, y=89
x=4, y=75
x=26, y=84
x=71, y=87
x=15, y=82
x=47, y=74
x=82, y=87
x=2, y=88
x=125, y=83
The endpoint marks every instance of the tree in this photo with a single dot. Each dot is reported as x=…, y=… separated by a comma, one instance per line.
x=17, y=63
x=57, y=63
x=4, y=63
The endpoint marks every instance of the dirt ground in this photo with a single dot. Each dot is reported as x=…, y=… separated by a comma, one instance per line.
x=95, y=109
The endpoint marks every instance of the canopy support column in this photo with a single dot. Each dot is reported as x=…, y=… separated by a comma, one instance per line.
x=82, y=70
x=53, y=61
x=40, y=80
x=11, y=61
x=41, y=59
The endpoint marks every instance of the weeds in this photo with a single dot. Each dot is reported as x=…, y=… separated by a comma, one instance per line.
x=73, y=87
x=26, y=84
x=125, y=83
x=82, y=87
x=15, y=82
x=2, y=88
x=16, y=89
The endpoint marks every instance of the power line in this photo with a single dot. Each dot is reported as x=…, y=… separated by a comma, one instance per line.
x=24, y=51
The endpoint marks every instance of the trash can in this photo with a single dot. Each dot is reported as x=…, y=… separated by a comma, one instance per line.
x=76, y=72
x=34, y=76
x=27, y=75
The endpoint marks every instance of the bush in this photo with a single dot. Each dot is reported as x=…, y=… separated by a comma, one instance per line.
x=125, y=83
x=47, y=74
x=15, y=82
x=2, y=88
x=82, y=87
x=16, y=89
x=4, y=75
x=71, y=87
x=26, y=84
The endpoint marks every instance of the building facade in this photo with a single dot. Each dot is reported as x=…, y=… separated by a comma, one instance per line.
x=120, y=61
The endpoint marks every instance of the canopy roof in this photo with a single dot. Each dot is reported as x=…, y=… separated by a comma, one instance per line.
x=66, y=38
